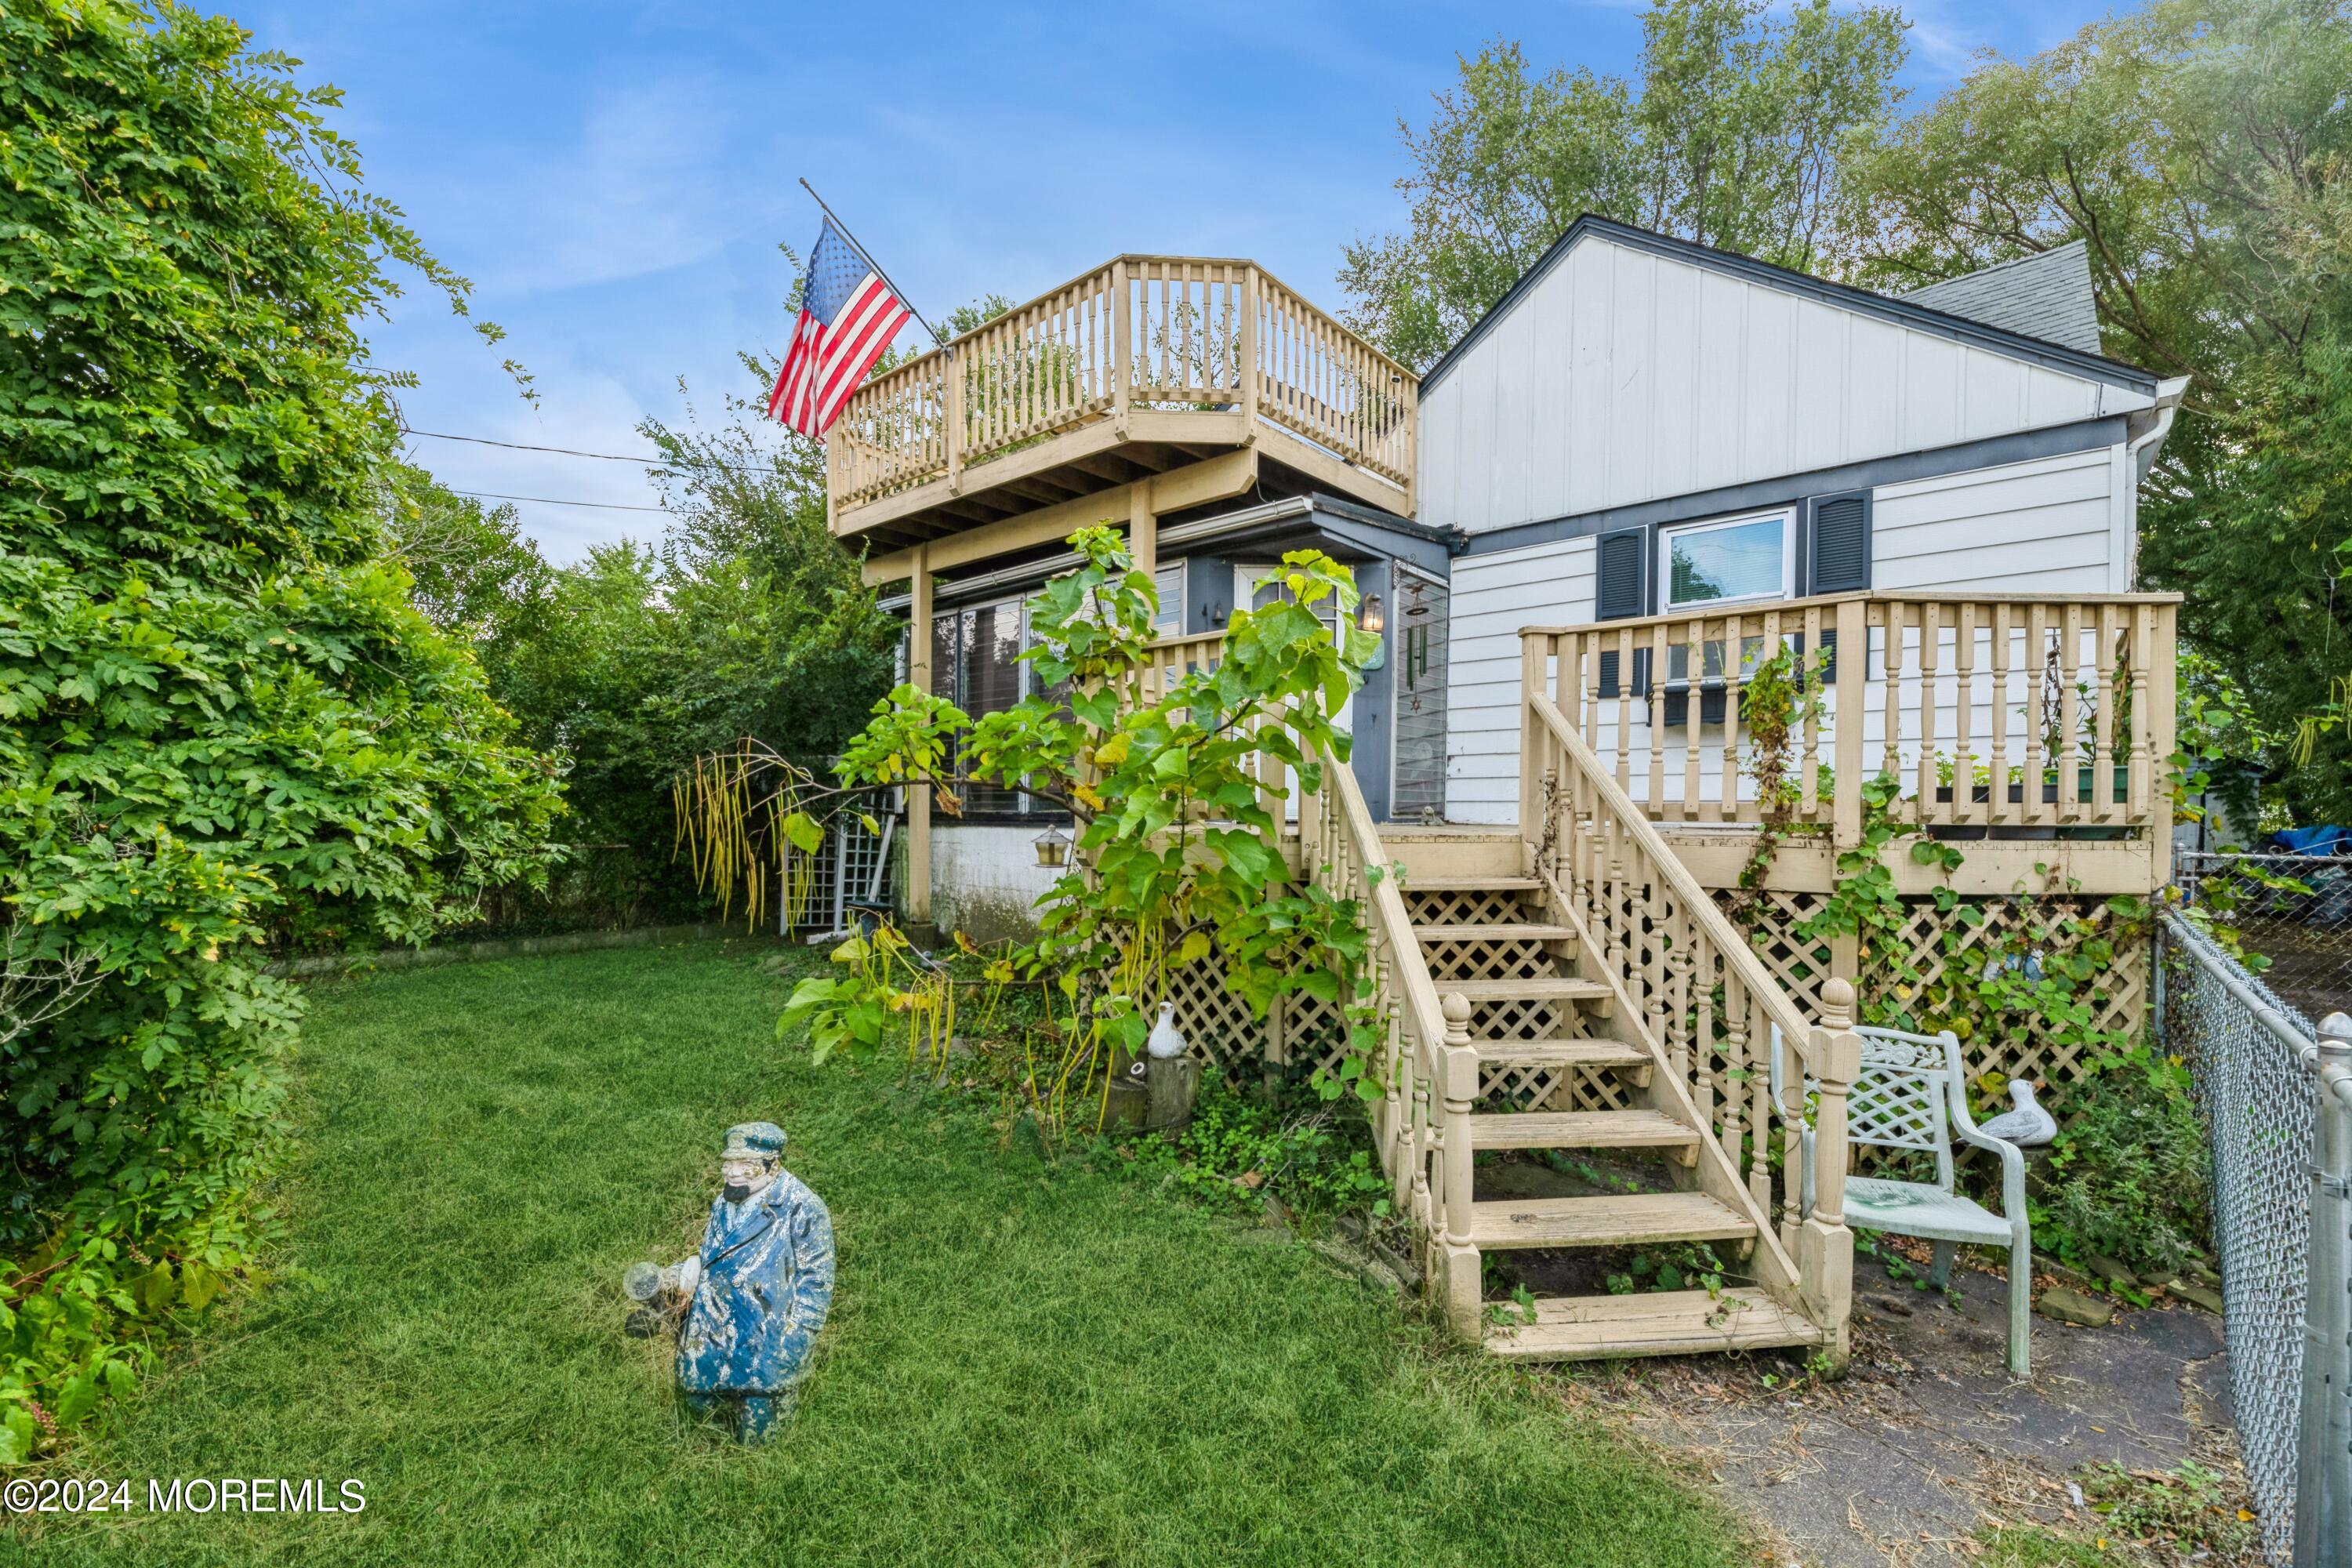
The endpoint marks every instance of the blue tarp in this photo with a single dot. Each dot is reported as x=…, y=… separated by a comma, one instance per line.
x=2329, y=840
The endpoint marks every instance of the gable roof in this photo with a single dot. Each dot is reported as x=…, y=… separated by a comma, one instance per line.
x=2045, y=296
x=1906, y=310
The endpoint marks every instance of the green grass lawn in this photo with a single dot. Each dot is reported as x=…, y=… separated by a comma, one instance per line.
x=1025, y=1363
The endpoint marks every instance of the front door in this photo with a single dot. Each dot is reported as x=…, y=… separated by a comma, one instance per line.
x=1258, y=584
x=1417, y=786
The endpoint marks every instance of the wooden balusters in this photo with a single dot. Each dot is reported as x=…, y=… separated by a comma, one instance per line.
x=1850, y=695
x=1753, y=1034
x=1824, y=1246
x=1654, y=696
x=1931, y=638
x=1459, y=1064
x=2137, y=780
x=2039, y=662
x=1964, y=762
x=1808, y=682
x=1995, y=658
x=1694, y=680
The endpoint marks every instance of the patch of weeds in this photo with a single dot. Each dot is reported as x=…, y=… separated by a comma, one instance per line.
x=1684, y=1266
x=1518, y=1311
x=1315, y=1157
x=2164, y=1515
x=2130, y=1175
x=1899, y=1267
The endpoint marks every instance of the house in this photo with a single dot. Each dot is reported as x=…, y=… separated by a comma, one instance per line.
x=1585, y=534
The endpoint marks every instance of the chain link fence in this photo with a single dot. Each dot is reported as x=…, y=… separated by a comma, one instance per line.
x=2294, y=910
x=2251, y=1055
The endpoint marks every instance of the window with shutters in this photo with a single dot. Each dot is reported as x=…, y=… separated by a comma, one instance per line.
x=1728, y=561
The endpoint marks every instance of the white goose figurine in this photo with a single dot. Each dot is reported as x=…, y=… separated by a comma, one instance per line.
x=2029, y=1126
x=1165, y=1042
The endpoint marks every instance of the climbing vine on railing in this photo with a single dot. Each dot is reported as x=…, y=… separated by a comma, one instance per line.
x=1778, y=698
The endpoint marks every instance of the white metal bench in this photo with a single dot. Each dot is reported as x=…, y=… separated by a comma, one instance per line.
x=1912, y=1093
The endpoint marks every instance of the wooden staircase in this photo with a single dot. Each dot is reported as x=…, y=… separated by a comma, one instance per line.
x=1541, y=1031
x=1566, y=985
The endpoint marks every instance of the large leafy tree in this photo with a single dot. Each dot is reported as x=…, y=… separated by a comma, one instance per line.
x=1730, y=136
x=743, y=618
x=217, y=704
x=2201, y=148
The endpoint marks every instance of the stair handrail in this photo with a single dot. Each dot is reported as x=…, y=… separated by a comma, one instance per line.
x=1831, y=1050
x=1429, y=1072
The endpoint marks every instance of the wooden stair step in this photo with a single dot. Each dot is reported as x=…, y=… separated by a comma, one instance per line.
x=1468, y=885
x=1498, y=931
x=1580, y=1130
x=1632, y=1219
x=1665, y=1323
x=1563, y=1053
x=1527, y=989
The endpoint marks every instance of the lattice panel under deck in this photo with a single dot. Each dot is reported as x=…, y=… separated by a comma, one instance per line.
x=1799, y=967
x=1456, y=907
x=1488, y=958
x=2013, y=1048
x=1217, y=1025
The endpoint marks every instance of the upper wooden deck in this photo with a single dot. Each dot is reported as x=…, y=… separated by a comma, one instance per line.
x=1143, y=364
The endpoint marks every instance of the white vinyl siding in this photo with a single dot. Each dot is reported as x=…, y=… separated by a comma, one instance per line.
x=1623, y=377
x=1494, y=597
x=2046, y=527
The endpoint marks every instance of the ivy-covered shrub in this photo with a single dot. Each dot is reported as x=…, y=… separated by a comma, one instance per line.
x=215, y=698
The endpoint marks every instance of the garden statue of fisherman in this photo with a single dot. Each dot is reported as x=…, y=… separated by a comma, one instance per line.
x=757, y=1294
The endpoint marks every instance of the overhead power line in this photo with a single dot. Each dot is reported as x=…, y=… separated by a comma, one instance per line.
x=551, y=500
x=649, y=460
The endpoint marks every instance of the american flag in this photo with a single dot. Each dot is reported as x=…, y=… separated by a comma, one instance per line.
x=848, y=316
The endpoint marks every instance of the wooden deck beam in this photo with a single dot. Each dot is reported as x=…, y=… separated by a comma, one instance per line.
x=1222, y=477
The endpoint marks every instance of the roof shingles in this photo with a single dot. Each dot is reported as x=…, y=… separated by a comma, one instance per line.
x=2045, y=296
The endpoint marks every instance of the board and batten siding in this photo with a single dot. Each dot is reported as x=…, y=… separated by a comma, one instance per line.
x=2053, y=526
x=1494, y=597
x=1623, y=376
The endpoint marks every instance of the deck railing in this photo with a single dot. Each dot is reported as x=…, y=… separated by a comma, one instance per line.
x=1150, y=333
x=1429, y=1070
x=1992, y=709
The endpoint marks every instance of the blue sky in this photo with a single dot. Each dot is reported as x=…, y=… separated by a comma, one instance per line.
x=615, y=177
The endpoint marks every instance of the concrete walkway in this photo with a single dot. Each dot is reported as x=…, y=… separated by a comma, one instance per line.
x=1929, y=1439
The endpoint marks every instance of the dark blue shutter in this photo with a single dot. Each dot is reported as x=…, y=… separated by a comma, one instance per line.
x=1622, y=585
x=1839, y=545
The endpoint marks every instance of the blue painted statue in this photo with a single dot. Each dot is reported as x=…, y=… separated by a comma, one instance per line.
x=757, y=1294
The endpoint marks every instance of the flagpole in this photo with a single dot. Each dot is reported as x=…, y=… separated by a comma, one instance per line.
x=937, y=335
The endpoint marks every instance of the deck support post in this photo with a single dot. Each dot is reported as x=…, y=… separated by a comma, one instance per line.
x=1144, y=530
x=1534, y=674
x=919, y=792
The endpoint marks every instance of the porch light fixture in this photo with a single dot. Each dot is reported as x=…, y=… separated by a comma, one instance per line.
x=1372, y=620
x=1053, y=848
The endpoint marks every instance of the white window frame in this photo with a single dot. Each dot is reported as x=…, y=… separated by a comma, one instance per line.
x=1786, y=516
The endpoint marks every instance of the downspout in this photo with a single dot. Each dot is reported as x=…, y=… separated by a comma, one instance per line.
x=2143, y=447
x=2154, y=424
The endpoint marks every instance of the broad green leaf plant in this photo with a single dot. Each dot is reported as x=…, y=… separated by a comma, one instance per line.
x=217, y=704
x=1179, y=844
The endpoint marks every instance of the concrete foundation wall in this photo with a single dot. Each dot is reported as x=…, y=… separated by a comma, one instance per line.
x=985, y=880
